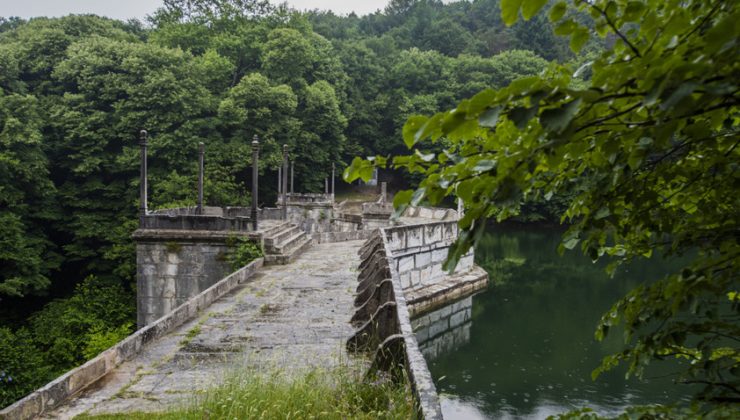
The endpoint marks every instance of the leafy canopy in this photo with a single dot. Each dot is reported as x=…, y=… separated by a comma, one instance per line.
x=647, y=149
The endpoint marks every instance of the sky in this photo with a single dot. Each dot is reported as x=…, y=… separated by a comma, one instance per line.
x=125, y=9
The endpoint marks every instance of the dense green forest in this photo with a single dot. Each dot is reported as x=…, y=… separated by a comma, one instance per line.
x=76, y=90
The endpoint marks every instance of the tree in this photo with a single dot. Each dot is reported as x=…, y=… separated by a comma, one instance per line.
x=27, y=256
x=647, y=149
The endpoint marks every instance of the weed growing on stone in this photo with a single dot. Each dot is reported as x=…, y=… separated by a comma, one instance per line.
x=190, y=335
x=337, y=394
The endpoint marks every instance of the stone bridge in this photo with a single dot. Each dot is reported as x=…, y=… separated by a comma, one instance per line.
x=335, y=286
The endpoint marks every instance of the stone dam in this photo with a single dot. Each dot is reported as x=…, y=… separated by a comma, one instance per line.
x=338, y=283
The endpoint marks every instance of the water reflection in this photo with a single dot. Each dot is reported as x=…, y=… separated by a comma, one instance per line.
x=444, y=330
x=524, y=348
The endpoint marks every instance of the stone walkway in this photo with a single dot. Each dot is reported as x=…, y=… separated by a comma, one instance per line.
x=288, y=317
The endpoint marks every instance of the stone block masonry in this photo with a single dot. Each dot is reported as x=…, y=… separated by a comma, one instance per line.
x=175, y=265
x=419, y=252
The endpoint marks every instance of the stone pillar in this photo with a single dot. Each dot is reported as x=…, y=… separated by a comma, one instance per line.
x=383, y=192
x=460, y=208
x=333, y=168
x=292, y=175
x=326, y=186
x=285, y=182
x=143, y=137
x=201, y=168
x=280, y=181
x=255, y=175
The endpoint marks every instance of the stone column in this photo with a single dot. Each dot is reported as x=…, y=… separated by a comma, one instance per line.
x=285, y=182
x=292, y=175
x=201, y=168
x=280, y=181
x=255, y=174
x=326, y=186
x=460, y=208
x=333, y=168
x=143, y=137
x=383, y=192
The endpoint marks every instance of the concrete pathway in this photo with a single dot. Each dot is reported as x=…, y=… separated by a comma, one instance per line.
x=289, y=318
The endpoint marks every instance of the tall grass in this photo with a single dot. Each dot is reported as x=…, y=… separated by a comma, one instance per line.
x=338, y=394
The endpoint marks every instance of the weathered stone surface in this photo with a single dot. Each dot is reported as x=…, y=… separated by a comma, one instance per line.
x=291, y=317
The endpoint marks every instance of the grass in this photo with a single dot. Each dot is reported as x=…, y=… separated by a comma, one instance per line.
x=338, y=394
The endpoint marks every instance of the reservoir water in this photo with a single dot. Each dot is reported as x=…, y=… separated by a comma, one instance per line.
x=524, y=348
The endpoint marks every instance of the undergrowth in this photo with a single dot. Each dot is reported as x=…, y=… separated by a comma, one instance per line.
x=338, y=394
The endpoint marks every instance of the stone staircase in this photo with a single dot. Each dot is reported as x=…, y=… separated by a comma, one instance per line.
x=284, y=242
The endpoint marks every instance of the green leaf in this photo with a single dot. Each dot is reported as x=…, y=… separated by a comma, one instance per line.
x=484, y=165
x=521, y=116
x=452, y=121
x=401, y=201
x=426, y=157
x=417, y=196
x=557, y=120
x=558, y=11
x=571, y=243
x=465, y=189
x=683, y=90
x=531, y=7
x=510, y=11
x=481, y=101
x=412, y=126
x=360, y=168
x=578, y=38
x=489, y=119
x=633, y=11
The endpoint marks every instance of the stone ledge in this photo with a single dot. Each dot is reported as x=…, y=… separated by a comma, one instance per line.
x=329, y=237
x=81, y=377
x=428, y=298
x=199, y=236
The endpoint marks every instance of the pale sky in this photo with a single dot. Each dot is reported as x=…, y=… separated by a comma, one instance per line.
x=125, y=9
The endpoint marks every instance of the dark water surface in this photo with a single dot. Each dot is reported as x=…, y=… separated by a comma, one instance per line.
x=524, y=348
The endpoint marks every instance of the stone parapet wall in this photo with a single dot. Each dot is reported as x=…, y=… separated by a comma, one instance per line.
x=207, y=211
x=432, y=213
x=401, y=275
x=352, y=235
x=309, y=198
x=74, y=381
x=384, y=326
x=419, y=252
x=195, y=222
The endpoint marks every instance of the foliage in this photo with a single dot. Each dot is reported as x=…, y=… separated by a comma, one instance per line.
x=66, y=330
x=338, y=394
x=65, y=333
x=102, y=338
x=76, y=90
x=243, y=251
x=22, y=365
x=646, y=153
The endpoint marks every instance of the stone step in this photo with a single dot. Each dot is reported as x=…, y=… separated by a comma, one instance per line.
x=278, y=238
x=282, y=259
x=287, y=246
x=276, y=229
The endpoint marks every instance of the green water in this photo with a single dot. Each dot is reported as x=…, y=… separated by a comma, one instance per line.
x=528, y=349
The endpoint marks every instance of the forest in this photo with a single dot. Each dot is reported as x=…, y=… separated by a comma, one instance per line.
x=617, y=118
x=76, y=90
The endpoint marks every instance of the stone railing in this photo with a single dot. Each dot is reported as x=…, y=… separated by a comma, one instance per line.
x=72, y=382
x=434, y=213
x=418, y=255
x=210, y=218
x=384, y=327
x=294, y=198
